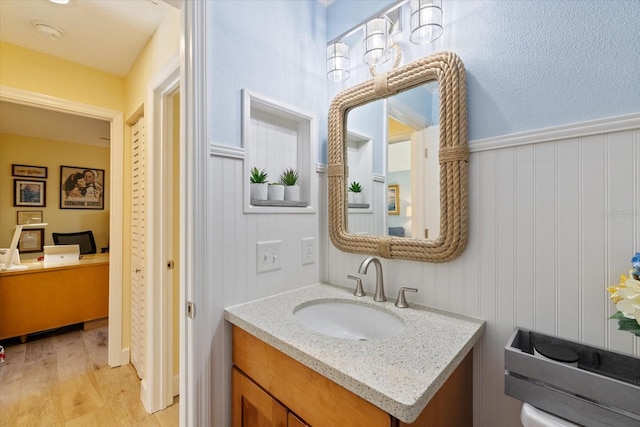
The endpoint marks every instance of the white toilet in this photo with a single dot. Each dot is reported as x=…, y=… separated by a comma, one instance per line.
x=534, y=417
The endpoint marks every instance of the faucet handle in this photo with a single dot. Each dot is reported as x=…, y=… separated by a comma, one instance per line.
x=359, y=292
x=401, y=302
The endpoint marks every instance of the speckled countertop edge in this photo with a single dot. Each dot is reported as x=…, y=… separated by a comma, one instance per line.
x=399, y=374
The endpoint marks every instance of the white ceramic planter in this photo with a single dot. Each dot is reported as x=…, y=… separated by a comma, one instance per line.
x=358, y=197
x=292, y=193
x=276, y=192
x=259, y=191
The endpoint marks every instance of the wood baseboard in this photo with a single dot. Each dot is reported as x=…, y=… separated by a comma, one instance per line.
x=95, y=324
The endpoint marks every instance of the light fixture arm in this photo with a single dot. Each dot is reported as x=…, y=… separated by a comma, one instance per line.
x=386, y=12
x=425, y=26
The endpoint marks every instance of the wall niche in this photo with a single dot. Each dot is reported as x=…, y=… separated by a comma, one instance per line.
x=276, y=137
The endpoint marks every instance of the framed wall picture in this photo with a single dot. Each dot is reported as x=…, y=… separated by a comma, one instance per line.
x=28, y=192
x=393, y=199
x=29, y=217
x=81, y=187
x=31, y=240
x=29, y=171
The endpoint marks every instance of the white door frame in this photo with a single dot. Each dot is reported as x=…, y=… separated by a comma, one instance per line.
x=156, y=391
x=196, y=388
x=116, y=185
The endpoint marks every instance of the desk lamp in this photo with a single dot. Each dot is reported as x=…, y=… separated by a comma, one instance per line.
x=9, y=265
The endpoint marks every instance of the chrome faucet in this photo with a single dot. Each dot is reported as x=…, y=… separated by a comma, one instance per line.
x=379, y=295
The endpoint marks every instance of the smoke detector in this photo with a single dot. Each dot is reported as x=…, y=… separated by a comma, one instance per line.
x=47, y=29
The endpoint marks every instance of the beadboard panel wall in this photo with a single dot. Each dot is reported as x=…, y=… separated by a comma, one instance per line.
x=235, y=257
x=552, y=223
x=232, y=265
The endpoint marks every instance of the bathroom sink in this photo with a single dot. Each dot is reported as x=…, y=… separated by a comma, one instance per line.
x=348, y=320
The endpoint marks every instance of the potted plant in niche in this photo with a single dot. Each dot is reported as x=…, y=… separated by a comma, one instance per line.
x=276, y=191
x=289, y=178
x=258, y=180
x=355, y=191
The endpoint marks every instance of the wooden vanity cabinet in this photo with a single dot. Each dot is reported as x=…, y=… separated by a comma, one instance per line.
x=253, y=407
x=270, y=388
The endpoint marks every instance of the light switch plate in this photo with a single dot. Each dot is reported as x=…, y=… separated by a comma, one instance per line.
x=308, y=250
x=268, y=256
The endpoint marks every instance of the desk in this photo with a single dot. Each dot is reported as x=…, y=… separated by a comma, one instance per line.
x=46, y=297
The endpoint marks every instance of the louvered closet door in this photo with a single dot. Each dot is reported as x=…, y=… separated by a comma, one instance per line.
x=138, y=186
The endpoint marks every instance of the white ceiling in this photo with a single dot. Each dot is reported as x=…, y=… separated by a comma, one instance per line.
x=17, y=119
x=104, y=34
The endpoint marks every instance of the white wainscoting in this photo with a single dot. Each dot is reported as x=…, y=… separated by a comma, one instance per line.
x=552, y=223
x=232, y=265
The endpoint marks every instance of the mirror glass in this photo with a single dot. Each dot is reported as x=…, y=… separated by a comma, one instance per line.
x=370, y=126
x=392, y=152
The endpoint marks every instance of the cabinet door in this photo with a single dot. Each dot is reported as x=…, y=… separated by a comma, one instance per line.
x=294, y=421
x=252, y=406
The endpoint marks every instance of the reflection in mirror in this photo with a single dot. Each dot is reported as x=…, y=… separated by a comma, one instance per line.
x=348, y=133
x=404, y=200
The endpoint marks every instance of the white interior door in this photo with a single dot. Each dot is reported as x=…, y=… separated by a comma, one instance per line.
x=425, y=194
x=138, y=188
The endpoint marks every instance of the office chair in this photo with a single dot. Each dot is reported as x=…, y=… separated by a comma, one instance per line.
x=82, y=238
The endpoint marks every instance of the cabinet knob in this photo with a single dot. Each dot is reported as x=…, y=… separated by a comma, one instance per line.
x=401, y=302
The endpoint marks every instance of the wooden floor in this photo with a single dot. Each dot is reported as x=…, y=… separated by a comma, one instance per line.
x=64, y=380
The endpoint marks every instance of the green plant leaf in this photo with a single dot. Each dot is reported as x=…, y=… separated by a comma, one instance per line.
x=289, y=177
x=257, y=176
x=355, y=187
x=617, y=315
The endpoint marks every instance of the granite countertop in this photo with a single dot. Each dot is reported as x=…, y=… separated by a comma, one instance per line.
x=398, y=374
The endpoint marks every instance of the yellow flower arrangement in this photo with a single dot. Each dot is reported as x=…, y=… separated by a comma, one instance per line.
x=626, y=297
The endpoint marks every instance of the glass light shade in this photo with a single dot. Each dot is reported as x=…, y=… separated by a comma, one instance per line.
x=426, y=21
x=338, y=62
x=376, y=33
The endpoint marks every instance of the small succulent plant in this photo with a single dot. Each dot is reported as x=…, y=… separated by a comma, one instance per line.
x=289, y=177
x=355, y=187
x=258, y=176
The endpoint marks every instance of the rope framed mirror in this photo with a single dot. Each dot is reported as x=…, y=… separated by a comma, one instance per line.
x=447, y=69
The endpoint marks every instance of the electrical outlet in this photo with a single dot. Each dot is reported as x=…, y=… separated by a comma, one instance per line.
x=268, y=256
x=308, y=250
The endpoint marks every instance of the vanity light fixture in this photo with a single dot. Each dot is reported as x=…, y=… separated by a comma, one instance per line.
x=425, y=18
x=426, y=21
x=338, y=62
x=376, y=46
x=59, y=1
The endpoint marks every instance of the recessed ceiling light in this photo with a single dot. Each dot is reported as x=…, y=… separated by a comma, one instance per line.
x=47, y=29
x=59, y=1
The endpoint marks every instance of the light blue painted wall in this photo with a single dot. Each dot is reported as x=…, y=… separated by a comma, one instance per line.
x=368, y=120
x=530, y=64
x=273, y=48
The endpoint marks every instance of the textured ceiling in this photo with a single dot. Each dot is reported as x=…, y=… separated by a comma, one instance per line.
x=104, y=34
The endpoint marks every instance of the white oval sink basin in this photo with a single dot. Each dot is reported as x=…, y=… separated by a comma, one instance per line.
x=348, y=320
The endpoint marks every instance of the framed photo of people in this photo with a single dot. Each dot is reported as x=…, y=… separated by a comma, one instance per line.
x=27, y=192
x=81, y=187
